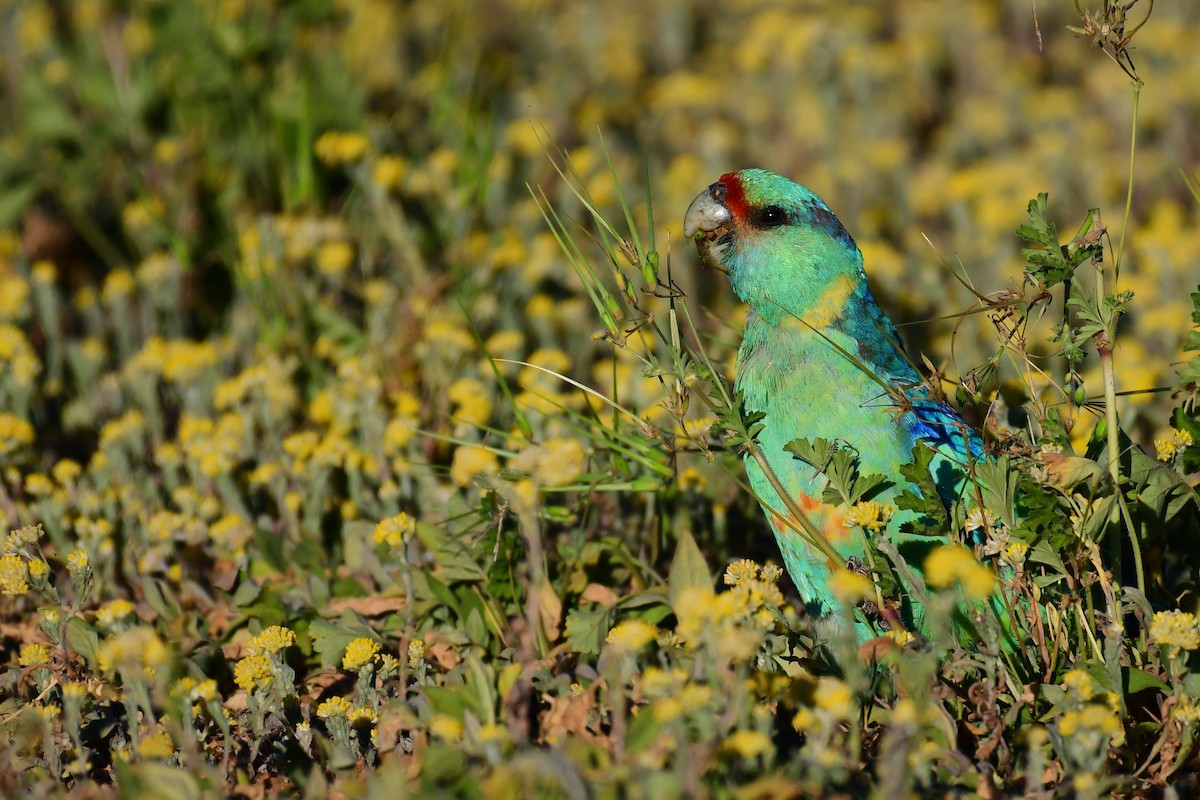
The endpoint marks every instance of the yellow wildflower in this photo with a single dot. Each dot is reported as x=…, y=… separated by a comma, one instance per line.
x=334, y=258
x=1179, y=630
x=388, y=171
x=363, y=717
x=1014, y=554
x=14, y=297
x=746, y=744
x=136, y=648
x=119, y=284
x=233, y=532
x=696, y=696
x=157, y=745
x=271, y=640
x=359, y=653
x=446, y=727
x=1186, y=710
x=14, y=575
x=38, y=570
x=341, y=147
x=113, y=611
x=870, y=515
x=471, y=461
x=1079, y=684
x=252, y=672
x=804, y=720
x=33, y=655
x=15, y=433
x=38, y=484
x=666, y=709
x=1091, y=720
x=901, y=637
x=77, y=562
x=557, y=462
x=416, y=652
x=951, y=564
x=394, y=531
x=834, y=696
x=741, y=571
x=632, y=635
x=472, y=405
x=65, y=471
x=692, y=480
x=47, y=712
x=334, y=707
x=1168, y=448
x=850, y=588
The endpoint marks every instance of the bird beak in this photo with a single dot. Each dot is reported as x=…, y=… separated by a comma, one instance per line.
x=706, y=221
x=707, y=213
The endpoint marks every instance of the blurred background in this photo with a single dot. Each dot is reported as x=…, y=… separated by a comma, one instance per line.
x=352, y=174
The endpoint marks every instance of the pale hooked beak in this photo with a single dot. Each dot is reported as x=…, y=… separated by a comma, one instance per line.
x=707, y=213
x=707, y=222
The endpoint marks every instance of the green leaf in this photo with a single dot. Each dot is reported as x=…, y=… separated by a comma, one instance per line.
x=816, y=452
x=928, y=503
x=450, y=551
x=586, y=629
x=688, y=569
x=1138, y=680
x=83, y=638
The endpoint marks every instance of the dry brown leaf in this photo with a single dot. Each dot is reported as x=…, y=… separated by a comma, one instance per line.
x=367, y=606
x=570, y=715
x=598, y=593
x=551, y=609
x=445, y=654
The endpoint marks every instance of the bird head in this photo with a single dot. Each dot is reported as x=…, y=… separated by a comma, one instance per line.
x=785, y=252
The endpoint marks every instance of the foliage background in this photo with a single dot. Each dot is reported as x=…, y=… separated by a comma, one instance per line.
x=253, y=255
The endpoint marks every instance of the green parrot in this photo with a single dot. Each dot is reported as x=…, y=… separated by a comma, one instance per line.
x=820, y=359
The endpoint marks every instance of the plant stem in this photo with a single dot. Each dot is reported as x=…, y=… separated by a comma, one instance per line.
x=1137, y=92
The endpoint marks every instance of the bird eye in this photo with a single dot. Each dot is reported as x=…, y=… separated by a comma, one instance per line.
x=770, y=217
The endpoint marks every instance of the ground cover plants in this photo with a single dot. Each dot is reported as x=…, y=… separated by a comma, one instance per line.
x=366, y=427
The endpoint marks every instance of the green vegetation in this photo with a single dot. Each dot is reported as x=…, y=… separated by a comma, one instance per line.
x=366, y=430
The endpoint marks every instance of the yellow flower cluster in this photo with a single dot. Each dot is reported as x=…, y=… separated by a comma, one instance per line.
x=33, y=655
x=556, y=462
x=850, y=588
x=271, y=640
x=269, y=382
x=631, y=635
x=395, y=531
x=15, y=433
x=363, y=717
x=18, y=357
x=870, y=515
x=951, y=564
x=179, y=361
x=1178, y=630
x=213, y=445
x=470, y=462
x=253, y=672
x=360, y=653
x=1168, y=448
x=1092, y=722
x=341, y=147
x=1079, y=685
x=334, y=707
x=138, y=648
x=14, y=575
x=746, y=744
x=733, y=622
x=113, y=612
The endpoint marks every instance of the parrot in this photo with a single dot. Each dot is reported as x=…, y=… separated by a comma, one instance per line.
x=819, y=359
